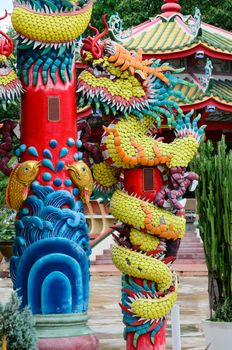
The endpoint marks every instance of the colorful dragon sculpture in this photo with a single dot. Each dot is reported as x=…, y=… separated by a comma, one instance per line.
x=144, y=177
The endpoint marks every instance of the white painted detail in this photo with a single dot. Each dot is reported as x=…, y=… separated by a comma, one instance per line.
x=17, y=131
x=175, y=321
x=193, y=186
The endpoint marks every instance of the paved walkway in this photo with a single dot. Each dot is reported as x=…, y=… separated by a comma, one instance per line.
x=105, y=315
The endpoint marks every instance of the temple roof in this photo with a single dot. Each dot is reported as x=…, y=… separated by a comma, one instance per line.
x=219, y=92
x=172, y=32
x=163, y=36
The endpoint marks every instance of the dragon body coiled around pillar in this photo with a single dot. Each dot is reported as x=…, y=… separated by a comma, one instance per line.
x=139, y=95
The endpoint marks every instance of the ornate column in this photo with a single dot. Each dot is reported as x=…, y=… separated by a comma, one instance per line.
x=50, y=266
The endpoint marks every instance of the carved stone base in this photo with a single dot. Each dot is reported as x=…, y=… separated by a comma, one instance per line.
x=65, y=332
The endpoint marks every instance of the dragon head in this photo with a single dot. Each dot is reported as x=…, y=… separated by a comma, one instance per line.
x=50, y=22
x=118, y=81
x=10, y=86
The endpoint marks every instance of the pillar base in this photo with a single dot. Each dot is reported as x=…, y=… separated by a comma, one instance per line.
x=62, y=325
x=65, y=332
x=85, y=342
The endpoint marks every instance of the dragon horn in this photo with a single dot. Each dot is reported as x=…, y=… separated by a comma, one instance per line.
x=94, y=29
x=106, y=31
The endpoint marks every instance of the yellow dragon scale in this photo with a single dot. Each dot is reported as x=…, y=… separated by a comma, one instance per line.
x=6, y=79
x=104, y=174
x=55, y=28
x=141, y=266
x=136, y=217
x=145, y=241
x=124, y=88
x=155, y=308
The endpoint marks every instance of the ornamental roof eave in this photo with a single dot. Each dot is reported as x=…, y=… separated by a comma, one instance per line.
x=197, y=45
x=206, y=101
x=198, y=105
x=173, y=35
x=219, y=93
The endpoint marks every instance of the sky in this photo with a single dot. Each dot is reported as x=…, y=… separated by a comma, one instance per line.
x=8, y=5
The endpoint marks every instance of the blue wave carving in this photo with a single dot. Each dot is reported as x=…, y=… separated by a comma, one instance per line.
x=51, y=247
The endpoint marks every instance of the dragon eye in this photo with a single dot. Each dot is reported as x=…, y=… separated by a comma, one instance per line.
x=84, y=170
x=26, y=170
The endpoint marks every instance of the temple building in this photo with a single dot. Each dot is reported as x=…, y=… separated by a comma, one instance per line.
x=204, y=50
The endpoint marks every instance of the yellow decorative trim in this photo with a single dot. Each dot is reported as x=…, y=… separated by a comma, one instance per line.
x=51, y=28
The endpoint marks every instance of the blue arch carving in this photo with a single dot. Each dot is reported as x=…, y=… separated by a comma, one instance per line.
x=53, y=302
x=45, y=266
x=43, y=248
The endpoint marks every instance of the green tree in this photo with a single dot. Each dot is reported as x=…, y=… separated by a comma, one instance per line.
x=12, y=111
x=135, y=12
x=3, y=184
x=217, y=13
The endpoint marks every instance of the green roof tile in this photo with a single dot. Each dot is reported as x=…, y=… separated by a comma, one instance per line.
x=220, y=90
x=175, y=35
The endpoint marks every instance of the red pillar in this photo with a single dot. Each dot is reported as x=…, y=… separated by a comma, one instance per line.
x=48, y=113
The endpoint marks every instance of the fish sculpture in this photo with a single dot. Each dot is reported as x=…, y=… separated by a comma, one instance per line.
x=81, y=176
x=19, y=183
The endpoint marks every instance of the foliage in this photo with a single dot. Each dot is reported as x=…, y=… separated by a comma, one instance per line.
x=214, y=197
x=12, y=112
x=4, y=179
x=223, y=312
x=17, y=325
x=135, y=12
x=3, y=185
x=7, y=229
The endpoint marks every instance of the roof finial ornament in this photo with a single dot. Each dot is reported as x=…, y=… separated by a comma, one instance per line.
x=116, y=28
x=170, y=7
x=196, y=27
